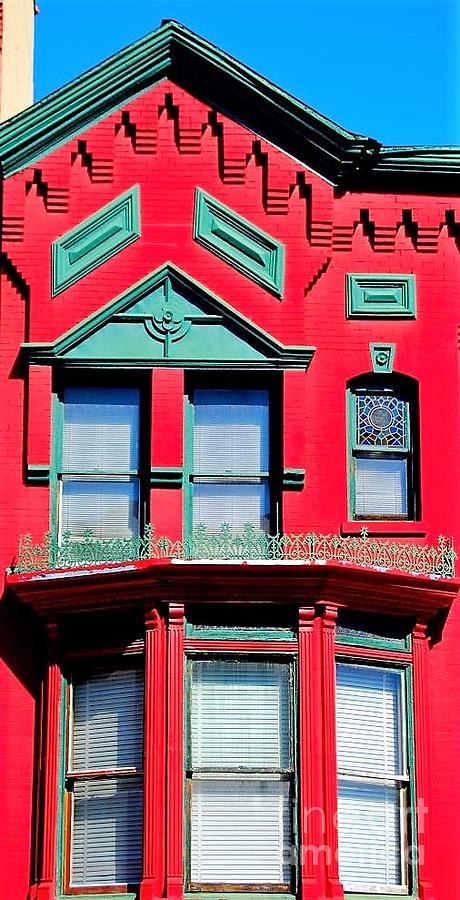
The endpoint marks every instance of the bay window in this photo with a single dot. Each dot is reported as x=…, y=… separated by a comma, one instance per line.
x=373, y=778
x=240, y=774
x=104, y=778
x=99, y=471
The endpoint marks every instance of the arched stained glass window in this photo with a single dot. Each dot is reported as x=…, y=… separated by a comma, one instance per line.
x=383, y=449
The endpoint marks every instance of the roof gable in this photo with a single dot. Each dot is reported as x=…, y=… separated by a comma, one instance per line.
x=168, y=319
x=175, y=52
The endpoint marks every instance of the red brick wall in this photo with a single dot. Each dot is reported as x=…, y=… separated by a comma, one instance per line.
x=168, y=146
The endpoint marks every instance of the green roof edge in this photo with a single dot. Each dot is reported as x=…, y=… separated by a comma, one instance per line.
x=175, y=52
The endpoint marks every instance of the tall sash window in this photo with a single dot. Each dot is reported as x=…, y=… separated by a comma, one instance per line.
x=382, y=453
x=104, y=778
x=373, y=778
x=99, y=478
x=231, y=459
x=240, y=774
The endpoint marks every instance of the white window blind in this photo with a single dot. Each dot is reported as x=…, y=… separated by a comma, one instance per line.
x=231, y=431
x=240, y=832
x=109, y=508
x=231, y=458
x=241, y=765
x=373, y=777
x=104, y=774
x=101, y=430
x=100, y=448
x=237, y=504
x=381, y=487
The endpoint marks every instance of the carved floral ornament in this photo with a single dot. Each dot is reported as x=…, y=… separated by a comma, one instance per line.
x=169, y=322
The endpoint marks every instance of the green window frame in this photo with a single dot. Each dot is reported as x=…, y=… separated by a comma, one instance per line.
x=225, y=764
x=102, y=809
x=100, y=459
x=233, y=468
x=383, y=449
x=376, y=780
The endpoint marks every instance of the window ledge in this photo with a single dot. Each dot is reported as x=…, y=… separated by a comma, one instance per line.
x=397, y=528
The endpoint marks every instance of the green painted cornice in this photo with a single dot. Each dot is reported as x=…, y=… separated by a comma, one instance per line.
x=175, y=52
x=267, y=351
x=219, y=80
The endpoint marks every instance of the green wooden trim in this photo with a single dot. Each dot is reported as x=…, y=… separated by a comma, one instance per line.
x=57, y=421
x=61, y=786
x=100, y=896
x=293, y=480
x=36, y=474
x=95, y=240
x=234, y=633
x=238, y=242
x=166, y=477
x=257, y=895
x=176, y=53
x=382, y=357
x=350, y=435
x=376, y=643
x=380, y=296
x=189, y=416
x=376, y=896
x=265, y=349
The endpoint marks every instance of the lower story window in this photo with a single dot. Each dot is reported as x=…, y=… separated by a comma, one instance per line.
x=373, y=778
x=240, y=775
x=104, y=778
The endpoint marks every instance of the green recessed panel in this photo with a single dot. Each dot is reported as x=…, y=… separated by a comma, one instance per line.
x=239, y=243
x=375, y=296
x=95, y=240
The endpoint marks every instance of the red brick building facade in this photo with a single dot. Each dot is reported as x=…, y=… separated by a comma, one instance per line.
x=229, y=362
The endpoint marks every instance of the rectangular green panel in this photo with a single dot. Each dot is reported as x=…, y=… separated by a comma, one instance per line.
x=239, y=243
x=95, y=240
x=375, y=296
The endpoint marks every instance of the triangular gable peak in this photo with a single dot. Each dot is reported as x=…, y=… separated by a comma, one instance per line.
x=168, y=319
x=226, y=85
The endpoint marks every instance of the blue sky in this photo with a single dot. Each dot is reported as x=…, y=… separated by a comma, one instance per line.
x=389, y=69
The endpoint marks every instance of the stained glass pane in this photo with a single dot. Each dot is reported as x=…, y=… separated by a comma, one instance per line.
x=381, y=421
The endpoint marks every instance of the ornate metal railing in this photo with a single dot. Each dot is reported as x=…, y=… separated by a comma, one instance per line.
x=363, y=550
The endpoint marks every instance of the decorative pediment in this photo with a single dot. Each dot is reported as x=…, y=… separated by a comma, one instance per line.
x=168, y=319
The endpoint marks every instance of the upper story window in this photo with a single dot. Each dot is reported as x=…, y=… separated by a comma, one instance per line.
x=99, y=470
x=231, y=458
x=383, y=449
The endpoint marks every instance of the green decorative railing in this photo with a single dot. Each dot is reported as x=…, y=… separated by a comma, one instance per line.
x=363, y=550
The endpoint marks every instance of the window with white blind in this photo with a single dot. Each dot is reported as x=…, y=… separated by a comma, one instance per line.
x=99, y=472
x=382, y=451
x=240, y=775
x=230, y=466
x=373, y=778
x=104, y=778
